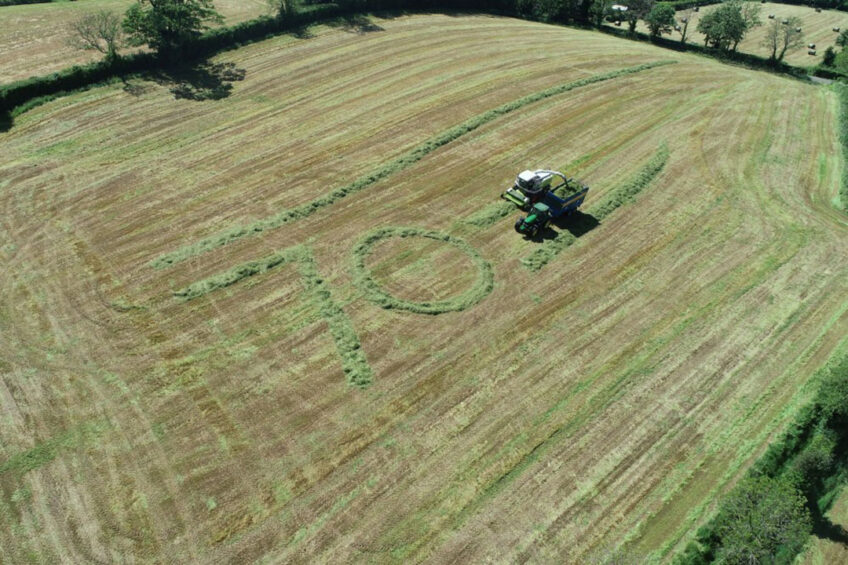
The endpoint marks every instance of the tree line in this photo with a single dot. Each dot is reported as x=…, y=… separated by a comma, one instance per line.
x=169, y=26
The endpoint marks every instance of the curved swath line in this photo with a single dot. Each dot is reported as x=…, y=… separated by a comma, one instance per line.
x=305, y=210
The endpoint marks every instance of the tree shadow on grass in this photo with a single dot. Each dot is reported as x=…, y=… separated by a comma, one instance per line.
x=301, y=32
x=6, y=121
x=824, y=528
x=199, y=82
x=356, y=23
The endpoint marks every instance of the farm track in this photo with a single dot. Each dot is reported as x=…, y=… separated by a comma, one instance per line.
x=611, y=396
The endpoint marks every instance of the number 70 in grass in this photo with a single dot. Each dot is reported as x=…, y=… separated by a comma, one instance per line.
x=354, y=363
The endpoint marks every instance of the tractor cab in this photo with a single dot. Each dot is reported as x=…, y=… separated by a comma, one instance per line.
x=535, y=221
x=532, y=183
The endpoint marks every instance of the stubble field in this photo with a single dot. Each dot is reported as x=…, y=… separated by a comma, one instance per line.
x=194, y=362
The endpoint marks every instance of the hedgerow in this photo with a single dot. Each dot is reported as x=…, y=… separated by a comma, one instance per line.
x=376, y=294
x=305, y=210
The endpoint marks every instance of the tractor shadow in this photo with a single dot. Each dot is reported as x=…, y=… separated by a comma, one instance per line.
x=578, y=225
x=200, y=82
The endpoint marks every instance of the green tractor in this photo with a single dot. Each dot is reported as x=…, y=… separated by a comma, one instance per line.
x=534, y=193
x=536, y=221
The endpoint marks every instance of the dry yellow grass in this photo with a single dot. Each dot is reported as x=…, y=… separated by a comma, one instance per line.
x=606, y=400
x=33, y=37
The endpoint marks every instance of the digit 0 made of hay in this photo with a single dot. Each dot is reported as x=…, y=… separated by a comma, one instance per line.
x=379, y=296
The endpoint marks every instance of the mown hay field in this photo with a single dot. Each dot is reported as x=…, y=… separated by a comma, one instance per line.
x=279, y=412
x=817, y=28
x=34, y=37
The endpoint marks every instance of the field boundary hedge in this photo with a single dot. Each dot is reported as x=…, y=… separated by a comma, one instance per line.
x=811, y=456
x=375, y=293
x=305, y=210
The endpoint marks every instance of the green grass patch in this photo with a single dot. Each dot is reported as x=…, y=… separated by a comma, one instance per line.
x=46, y=451
x=624, y=194
x=355, y=365
x=375, y=293
x=490, y=214
x=842, y=93
x=305, y=210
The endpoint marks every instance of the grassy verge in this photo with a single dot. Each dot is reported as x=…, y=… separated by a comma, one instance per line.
x=842, y=93
x=305, y=210
x=373, y=292
x=355, y=365
x=490, y=214
x=622, y=195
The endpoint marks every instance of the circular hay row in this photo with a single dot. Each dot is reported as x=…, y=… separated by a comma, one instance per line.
x=376, y=294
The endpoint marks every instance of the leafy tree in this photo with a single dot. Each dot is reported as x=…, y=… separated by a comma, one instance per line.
x=598, y=10
x=637, y=10
x=833, y=393
x=99, y=31
x=829, y=56
x=760, y=519
x=783, y=37
x=168, y=25
x=561, y=10
x=814, y=464
x=282, y=9
x=660, y=19
x=683, y=23
x=725, y=26
x=842, y=38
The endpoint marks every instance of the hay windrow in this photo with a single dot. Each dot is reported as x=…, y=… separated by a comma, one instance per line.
x=618, y=197
x=354, y=363
x=375, y=293
x=305, y=210
x=490, y=214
